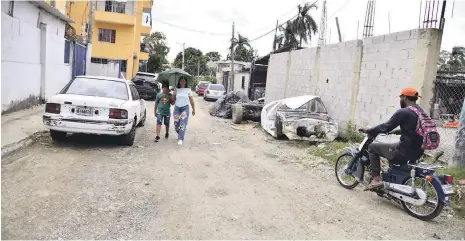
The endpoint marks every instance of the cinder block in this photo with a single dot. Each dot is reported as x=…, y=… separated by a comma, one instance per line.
x=403, y=35
x=378, y=39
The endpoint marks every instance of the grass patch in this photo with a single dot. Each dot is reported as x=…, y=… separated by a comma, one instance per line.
x=458, y=198
x=351, y=135
x=329, y=151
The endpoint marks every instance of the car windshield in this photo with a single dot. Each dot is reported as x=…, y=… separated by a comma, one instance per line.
x=144, y=77
x=203, y=85
x=97, y=87
x=216, y=87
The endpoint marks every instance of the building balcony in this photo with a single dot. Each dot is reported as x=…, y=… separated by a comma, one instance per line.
x=145, y=31
x=115, y=18
x=115, y=12
x=147, y=4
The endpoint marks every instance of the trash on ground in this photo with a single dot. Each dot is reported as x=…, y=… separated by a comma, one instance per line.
x=299, y=118
x=222, y=107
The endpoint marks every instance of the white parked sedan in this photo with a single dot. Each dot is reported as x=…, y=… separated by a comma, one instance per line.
x=214, y=92
x=96, y=105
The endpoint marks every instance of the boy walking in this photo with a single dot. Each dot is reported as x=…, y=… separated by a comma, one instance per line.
x=162, y=111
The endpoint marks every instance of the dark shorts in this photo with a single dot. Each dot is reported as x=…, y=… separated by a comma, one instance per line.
x=165, y=119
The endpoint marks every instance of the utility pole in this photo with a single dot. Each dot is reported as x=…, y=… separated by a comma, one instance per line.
x=183, y=53
x=389, y=20
x=231, y=74
x=275, y=33
x=338, y=30
x=89, y=35
x=322, y=38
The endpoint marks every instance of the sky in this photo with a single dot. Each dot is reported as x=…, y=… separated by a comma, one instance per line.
x=207, y=24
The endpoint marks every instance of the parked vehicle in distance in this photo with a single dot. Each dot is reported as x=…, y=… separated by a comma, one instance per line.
x=96, y=105
x=147, y=85
x=201, y=88
x=214, y=91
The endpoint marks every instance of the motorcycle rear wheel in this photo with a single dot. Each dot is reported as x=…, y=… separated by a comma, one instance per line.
x=428, y=189
x=341, y=165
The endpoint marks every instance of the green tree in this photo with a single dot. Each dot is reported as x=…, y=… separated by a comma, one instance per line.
x=213, y=56
x=155, y=45
x=452, y=61
x=195, y=62
x=243, y=51
x=304, y=25
x=286, y=36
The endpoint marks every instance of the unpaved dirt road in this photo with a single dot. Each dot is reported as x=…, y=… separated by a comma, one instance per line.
x=224, y=183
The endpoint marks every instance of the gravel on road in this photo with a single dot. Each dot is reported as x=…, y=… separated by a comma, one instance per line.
x=226, y=182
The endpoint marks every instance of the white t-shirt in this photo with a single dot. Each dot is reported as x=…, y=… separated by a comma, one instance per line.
x=182, y=96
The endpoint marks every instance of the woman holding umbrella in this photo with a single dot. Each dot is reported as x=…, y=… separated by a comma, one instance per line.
x=182, y=96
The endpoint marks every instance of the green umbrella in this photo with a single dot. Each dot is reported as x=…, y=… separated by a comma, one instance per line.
x=172, y=76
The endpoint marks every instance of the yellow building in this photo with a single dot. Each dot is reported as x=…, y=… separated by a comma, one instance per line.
x=118, y=29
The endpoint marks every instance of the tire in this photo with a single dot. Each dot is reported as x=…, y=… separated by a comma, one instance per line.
x=336, y=168
x=142, y=122
x=433, y=214
x=128, y=139
x=58, y=135
x=237, y=113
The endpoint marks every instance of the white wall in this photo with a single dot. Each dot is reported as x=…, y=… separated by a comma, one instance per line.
x=238, y=81
x=21, y=43
x=359, y=80
x=111, y=69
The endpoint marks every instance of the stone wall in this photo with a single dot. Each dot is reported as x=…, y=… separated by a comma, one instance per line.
x=359, y=80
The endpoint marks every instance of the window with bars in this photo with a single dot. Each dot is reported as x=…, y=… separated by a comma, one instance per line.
x=107, y=35
x=115, y=6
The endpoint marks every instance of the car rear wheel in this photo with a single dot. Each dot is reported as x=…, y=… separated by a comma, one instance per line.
x=142, y=122
x=128, y=139
x=58, y=135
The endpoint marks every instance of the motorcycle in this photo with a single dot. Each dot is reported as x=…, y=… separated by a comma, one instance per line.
x=415, y=185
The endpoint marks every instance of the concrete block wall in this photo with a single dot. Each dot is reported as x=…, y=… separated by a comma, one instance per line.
x=386, y=68
x=301, y=72
x=278, y=77
x=359, y=80
x=335, y=78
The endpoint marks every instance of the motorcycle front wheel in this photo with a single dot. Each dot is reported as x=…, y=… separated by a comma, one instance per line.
x=347, y=181
x=431, y=209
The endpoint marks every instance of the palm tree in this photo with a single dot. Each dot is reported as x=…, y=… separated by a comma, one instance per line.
x=287, y=36
x=304, y=25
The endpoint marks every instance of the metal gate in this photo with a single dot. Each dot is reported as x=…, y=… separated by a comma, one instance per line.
x=79, y=60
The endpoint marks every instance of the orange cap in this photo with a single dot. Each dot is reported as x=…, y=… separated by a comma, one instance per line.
x=411, y=92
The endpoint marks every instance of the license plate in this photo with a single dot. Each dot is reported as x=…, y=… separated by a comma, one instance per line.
x=84, y=111
x=447, y=189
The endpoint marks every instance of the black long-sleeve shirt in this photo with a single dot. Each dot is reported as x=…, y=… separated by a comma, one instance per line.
x=410, y=142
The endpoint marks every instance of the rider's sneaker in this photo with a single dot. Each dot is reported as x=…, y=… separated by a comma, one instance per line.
x=180, y=142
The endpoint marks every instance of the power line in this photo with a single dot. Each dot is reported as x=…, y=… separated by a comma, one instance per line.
x=263, y=35
x=343, y=6
x=189, y=29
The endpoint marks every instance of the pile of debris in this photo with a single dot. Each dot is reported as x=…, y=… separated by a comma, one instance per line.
x=222, y=107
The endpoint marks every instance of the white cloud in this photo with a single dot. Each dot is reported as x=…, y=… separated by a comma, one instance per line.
x=255, y=17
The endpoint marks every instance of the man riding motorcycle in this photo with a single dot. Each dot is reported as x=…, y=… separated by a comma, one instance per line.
x=409, y=146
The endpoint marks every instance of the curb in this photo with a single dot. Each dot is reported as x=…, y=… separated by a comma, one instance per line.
x=17, y=146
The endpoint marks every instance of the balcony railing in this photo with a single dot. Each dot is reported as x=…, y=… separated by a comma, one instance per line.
x=124, y=7
x=116, y=7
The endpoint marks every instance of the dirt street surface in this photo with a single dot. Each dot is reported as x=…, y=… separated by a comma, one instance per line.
x=225, y=182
